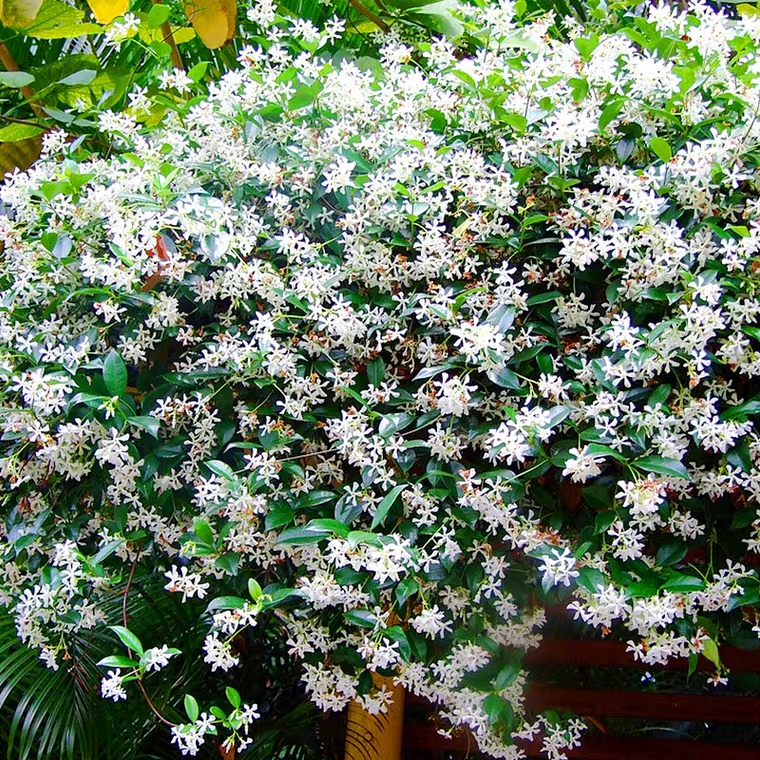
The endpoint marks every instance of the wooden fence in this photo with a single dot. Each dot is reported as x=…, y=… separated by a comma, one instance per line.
x=421, y=741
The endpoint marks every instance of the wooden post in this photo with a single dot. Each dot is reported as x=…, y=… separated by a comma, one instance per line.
x=376, y=737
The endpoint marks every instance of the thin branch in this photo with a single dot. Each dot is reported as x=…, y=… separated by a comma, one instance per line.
x=125, y=620
x=150, y=704
x=367, y=13
x=7, y=59
x=25, y=121
x=124, y=617
x=166, y=30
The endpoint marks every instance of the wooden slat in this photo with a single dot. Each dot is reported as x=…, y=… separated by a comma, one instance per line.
x=612, y=654
x=422, y=737
x=376, y=737
x=636, y=704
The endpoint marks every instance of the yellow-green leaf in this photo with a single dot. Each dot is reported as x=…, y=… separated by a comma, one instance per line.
x=18, y=132
x=747, y=10
x=661, y=149
x=710, y=650
x=57, y=20
x=19, y=13
x=183, y=34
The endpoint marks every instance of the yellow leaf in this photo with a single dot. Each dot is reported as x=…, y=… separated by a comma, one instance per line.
x=213, y=20
x=19, y=13
x=21, y=154
x=105, y=11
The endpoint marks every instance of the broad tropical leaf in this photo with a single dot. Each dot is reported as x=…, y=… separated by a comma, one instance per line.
x=213, y=20
x=19, y=13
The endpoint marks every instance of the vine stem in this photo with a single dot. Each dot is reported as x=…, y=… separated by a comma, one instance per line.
x=125, y=620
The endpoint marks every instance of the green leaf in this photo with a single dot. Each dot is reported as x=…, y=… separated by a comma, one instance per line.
x=376, y=371
x=15, y=79
x=579, y=89
x=406, y=588
x=78, y=78
x=198, y=71
x=661, y=149
x=146, y=422
x=516, y=120
x=659, y=396
x=552, y=295
x=16, y=132
x=643, y=589
x=396, y=633
x=305, y=96
x=222, y=469
x=362, y=618
x=115, y=374
x=302, y=535
x=233, y=697
x=710, y=651
x=586, y=46
x=671, y=553
x=203, y=530
x=505, y=378
x=356, y=537
x=127, y=638
x=507, y=675
x=438, y=17
x=743, y=517
x=254, y=589
x=392, y=423
x=329, y=525
x=117, y=661
x=603, y=521
x=610, y=112
x=315, y=498
x=662, y=466
x=107, y=551
x=385, y=505
x=683, y=584
x=159, y=14
x=520, y=39
x=741, y=411
x=466, y=78
x=498, y=710
x=191, y=708
x=591, y=579
x=228, y=562
x=278, y=516
x=406, y=5
x=746, y=9
x=226, y=603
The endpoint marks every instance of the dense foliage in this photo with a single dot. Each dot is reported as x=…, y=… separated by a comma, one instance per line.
x=398, y=349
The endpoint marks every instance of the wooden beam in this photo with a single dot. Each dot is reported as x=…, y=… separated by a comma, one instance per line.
x=637, y=704
x=423, y=738
x=612, y=654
